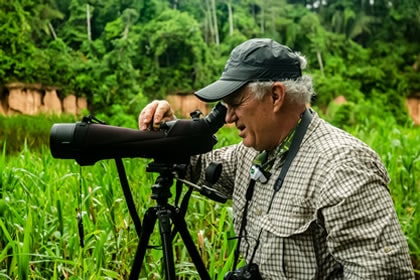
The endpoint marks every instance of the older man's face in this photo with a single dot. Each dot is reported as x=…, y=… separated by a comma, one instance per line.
x=253, y=118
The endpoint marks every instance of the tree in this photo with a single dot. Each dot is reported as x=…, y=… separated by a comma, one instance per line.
x=129, y=17
x=119, y=79
x=41, y=15
x=15, y=40
x=173, y=54
x=400, y=20
x=211, y=16
x=75, y=29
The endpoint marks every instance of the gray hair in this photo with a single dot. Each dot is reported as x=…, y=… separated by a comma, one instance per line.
x=299, y=91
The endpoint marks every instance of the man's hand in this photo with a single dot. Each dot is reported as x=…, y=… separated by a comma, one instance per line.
x=154, y=114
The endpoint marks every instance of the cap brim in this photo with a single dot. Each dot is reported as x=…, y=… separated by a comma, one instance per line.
x=219, y=90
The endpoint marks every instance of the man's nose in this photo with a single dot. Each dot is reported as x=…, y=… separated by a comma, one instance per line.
x=230, y=115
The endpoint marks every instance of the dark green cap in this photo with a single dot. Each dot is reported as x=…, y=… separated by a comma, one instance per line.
x=258, y=59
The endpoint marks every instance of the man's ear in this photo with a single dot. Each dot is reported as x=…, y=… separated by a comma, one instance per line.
x=278, y=95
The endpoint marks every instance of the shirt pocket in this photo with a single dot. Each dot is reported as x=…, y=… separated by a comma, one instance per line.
x=288, y=250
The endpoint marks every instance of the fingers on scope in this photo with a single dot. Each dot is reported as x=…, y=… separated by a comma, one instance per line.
x=152, y=116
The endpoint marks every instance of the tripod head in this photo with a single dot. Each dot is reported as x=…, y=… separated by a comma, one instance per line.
x=169, y=172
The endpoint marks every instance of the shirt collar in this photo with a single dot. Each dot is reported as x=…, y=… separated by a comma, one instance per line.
x=266, y=159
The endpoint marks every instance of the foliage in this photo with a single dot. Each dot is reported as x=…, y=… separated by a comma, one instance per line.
x=119, y=79
x=173, y=56
x=15, y=40
x=114, y=51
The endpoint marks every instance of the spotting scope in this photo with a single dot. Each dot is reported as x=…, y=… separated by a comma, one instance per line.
x=88, y=142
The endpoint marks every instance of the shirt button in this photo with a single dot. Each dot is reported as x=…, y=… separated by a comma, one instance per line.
x=258, y=212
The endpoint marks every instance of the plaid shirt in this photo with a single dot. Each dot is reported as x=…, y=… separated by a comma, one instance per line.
x=333, y=218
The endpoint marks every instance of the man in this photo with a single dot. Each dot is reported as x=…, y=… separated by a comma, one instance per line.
x=329, y=215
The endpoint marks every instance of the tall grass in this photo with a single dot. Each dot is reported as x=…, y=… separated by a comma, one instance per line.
x=42, y=197
x=32, y=130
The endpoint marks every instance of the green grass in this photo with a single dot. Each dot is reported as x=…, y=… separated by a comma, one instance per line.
x=41, y=197
x=33, y=130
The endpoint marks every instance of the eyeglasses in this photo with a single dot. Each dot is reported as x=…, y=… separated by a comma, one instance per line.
x=236, y=101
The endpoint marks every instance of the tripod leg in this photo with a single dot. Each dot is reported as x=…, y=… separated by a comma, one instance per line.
x=165, y=233
x=147, y=229
x=181, y=226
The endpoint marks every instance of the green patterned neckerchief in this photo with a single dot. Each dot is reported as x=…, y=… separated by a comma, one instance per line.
x=262, y=158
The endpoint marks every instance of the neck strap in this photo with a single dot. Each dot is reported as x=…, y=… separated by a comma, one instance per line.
x=294, y=147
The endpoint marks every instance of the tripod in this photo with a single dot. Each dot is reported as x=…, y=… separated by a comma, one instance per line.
x=163, y=213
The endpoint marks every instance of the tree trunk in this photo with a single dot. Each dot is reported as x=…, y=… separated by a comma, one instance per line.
x=216, y=29
x=126, y=29
x=321, y=65
x=208, y=23
x=230, y=17
x=52, y=30
x=262, y=29
x=88, y=22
